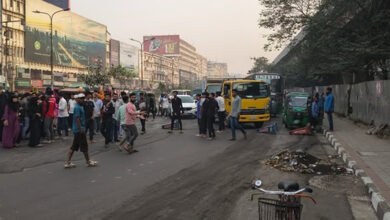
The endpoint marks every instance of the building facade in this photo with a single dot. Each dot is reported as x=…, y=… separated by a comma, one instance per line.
x=217, y=70
x=25, y=46
x=160, y=69
x=191, y=65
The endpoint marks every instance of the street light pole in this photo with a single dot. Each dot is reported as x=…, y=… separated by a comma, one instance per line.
x=142, y=61
x=51, y=16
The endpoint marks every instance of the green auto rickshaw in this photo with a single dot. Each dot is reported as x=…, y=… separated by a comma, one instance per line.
x=296, y=111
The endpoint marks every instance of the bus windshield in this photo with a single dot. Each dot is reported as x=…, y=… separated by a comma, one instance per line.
x=213, y=88
x=251, y=90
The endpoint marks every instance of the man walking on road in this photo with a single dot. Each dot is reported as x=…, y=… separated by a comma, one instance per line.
x=203, y=114
x=198, y=114
x=329, y=107
x=80, y=138
x=97, y=111
x=115, y=125
x=235, y=115
x=129, y=126
x=177, y=109
x=221, y=112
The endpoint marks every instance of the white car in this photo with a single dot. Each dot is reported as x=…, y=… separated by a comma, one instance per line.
x=189, y=106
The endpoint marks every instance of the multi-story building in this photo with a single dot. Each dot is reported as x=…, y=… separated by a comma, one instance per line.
x=190, y=64
x=12, y=44
x=26, y=48
x=202, y=67
x=217, y=70
x=160, y=69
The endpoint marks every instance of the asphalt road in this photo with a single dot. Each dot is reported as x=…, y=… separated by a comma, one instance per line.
x=176, y=176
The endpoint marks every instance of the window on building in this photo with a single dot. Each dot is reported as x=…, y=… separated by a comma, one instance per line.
x=18, y=6
x=8, y=17
x=11, y=3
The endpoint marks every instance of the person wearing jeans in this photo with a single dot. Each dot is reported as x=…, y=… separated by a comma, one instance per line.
x=234, y=116
x=97, y=111
x=329, y=107
x=221, y=112
x=49, y=107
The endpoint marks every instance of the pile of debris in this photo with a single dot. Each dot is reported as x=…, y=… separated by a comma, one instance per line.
x=382, y=131
x=302, y=162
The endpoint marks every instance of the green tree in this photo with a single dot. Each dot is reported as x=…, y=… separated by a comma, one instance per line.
x=97, y=75
x=122, y=74
x=261, y=64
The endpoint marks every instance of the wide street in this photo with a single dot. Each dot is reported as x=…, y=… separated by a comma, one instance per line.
x=178, y=176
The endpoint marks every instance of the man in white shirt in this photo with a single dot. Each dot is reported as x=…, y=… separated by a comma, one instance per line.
x=71, y=104
x=97, y=111
x=63, y=116
x=221, y=112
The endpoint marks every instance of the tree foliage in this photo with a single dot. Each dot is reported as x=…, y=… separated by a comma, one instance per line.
x=344, y=38
x=261, y=64
x=122, y=74
x=97, y=75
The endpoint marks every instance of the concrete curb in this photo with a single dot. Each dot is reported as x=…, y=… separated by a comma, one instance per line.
x=381, y=207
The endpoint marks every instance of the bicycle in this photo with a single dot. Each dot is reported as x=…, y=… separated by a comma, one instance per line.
x=287, y=207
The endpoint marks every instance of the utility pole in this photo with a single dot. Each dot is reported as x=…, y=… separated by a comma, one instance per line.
x=51, y=16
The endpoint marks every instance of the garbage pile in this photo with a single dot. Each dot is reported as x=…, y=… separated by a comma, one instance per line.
x=382, y=131
x=302, y=162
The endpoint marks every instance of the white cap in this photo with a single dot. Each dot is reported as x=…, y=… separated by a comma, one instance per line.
x=80, y=95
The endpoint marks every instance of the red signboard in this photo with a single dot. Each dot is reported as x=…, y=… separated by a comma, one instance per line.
x=163, y=45
x=36, y=83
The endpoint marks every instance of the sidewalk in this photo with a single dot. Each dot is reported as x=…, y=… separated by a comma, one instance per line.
x=371, y=154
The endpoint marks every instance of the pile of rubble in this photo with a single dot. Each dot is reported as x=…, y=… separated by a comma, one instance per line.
x=382, y=131
x=302, y=162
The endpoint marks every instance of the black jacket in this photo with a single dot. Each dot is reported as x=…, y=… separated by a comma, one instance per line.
x=177, y=105
x=212, y=108
x=109, y=110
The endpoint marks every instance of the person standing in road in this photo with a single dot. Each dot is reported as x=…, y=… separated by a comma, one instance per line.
x=98, y=105
x=49, y=108
x=198, y=113
x=11, y=129
x=177, y=109
x=235, y=115
x=211, y=111
x=71, y=104
x=315, y=112
x=62, y=116
x=80, y=137
x=3, y=103
x=121, y=117
x=329, y=107
x=142, y=107
x=107, y=111
x=203, y=114
x=115, y=125
x=221, y=112
x=165, y=106
x=89, y=106
x=35, y=114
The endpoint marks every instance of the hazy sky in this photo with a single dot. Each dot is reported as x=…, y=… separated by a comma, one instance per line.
x=221, y=30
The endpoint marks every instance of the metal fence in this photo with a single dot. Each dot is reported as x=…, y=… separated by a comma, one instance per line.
x=364, y=102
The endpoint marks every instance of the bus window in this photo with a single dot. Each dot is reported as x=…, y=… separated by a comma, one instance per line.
x=226, y=90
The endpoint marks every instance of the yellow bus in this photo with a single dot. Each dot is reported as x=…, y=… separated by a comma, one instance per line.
x=255, y=97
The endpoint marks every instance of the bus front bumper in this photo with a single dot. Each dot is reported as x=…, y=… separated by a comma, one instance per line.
x=255, y=118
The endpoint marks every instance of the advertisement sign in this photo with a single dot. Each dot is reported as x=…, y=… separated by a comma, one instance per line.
x=128, y=55
x=77, y=41
x=23, y=83
x=36, y=83
x=114, y=53
x=163, y=45
x=64, y=4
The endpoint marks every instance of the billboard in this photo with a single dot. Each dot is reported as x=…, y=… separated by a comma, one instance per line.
x=77, y=42
x=128, y=55
x=114, y=53
x=163, y=45
x=60, y=3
